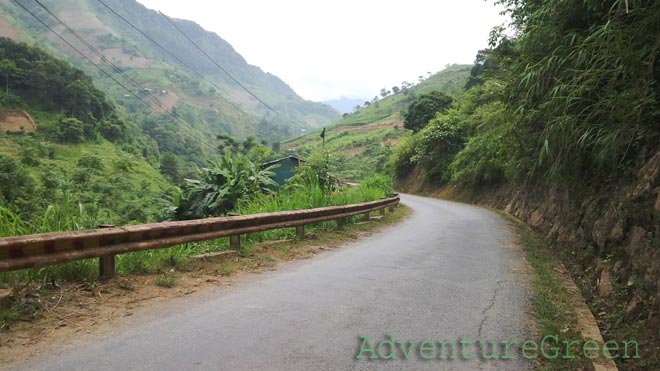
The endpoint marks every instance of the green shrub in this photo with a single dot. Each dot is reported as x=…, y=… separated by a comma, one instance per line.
x=437, y=144
x=166, y=280
x=402, y=156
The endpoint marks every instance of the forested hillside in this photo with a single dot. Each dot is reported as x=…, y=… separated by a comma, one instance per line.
x=559, y=126
x=84, y=160
x=151, y=67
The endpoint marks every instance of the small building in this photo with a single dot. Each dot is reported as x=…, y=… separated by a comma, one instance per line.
x=286, y=169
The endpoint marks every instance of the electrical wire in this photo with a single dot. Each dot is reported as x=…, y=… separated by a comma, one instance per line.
x=101, y=56
x=216, y=63
x=87, y=58
x=173, y=56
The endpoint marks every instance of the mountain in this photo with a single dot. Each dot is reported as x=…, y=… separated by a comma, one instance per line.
x=362, y=141
x=171, y=74
x=344, y=104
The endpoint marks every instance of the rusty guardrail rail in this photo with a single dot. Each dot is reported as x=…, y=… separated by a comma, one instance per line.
x=37, y=250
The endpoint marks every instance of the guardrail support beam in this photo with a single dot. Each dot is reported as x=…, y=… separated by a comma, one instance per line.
x=300, y=231
x=107, y=267
x=235, y=242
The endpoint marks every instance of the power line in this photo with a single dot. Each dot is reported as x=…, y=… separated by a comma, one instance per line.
x=151, y=39
x=101, y=56
x=179, y=60
x=85, y=57
x=216, y=63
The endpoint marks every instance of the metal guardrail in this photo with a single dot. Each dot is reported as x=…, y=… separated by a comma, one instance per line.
x=37, y=250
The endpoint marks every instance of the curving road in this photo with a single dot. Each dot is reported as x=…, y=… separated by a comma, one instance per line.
x=444, y=274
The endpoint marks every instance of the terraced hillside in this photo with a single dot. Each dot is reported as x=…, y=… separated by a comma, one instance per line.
x=361, y=142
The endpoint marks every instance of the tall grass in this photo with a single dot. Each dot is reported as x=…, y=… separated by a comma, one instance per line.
x=69, y=215
x=310, y=195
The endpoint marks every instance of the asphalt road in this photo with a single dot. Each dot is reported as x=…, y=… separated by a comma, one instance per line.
x=444, y=274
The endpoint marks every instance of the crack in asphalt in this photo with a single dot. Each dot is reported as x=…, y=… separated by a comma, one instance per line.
x=490, y=306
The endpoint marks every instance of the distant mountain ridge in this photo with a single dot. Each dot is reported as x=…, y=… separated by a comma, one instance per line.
x=344, y=104
x=212, y=104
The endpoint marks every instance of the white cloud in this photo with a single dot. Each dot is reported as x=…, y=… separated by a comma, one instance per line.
x=325, y=49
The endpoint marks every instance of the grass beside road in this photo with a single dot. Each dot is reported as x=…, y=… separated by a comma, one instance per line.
x=552, y=302
x=46, y=305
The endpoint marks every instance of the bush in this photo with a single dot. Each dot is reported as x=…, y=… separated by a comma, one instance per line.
x=70, y=130
x=402, y=156
x=424, y=109
x=437, y=144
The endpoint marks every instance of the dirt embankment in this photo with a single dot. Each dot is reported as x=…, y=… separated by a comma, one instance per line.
x=608, y=235
x=16, y=121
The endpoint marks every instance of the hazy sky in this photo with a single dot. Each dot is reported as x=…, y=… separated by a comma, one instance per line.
x=326, y=49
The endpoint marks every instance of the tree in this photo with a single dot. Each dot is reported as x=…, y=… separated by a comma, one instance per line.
x=383, y=92
x=255, y=151
x=70, y=130
x=169, y=166
x=424, y=108
x=15, y=182
x=113, y=128
x=405, y=87
x=7, y=68
x=395, y=89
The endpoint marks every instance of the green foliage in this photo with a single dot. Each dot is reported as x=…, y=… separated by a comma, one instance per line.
x=222, y=185
x=482, y=161
x=321, y=165
x=378, y=183
x=166, y=280
x=32, y=153
x=424, y=108
x=402, y=156
x=52, y=84
x=70, y=130
x=573, y=97
x=91, y=163
x=584, y=85
x=255, y=151
x=169, y=166
x=113, y=129
x=15, y=182
x=437, y=144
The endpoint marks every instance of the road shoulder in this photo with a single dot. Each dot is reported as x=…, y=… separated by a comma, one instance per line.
x=62, y=315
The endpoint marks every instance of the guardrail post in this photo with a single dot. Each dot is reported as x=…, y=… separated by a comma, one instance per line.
x=341, y=222
x=392, y=208
x=235, y=242
x=107, y=268
x=366, y=217
x=300, y=231
x=382, y=211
